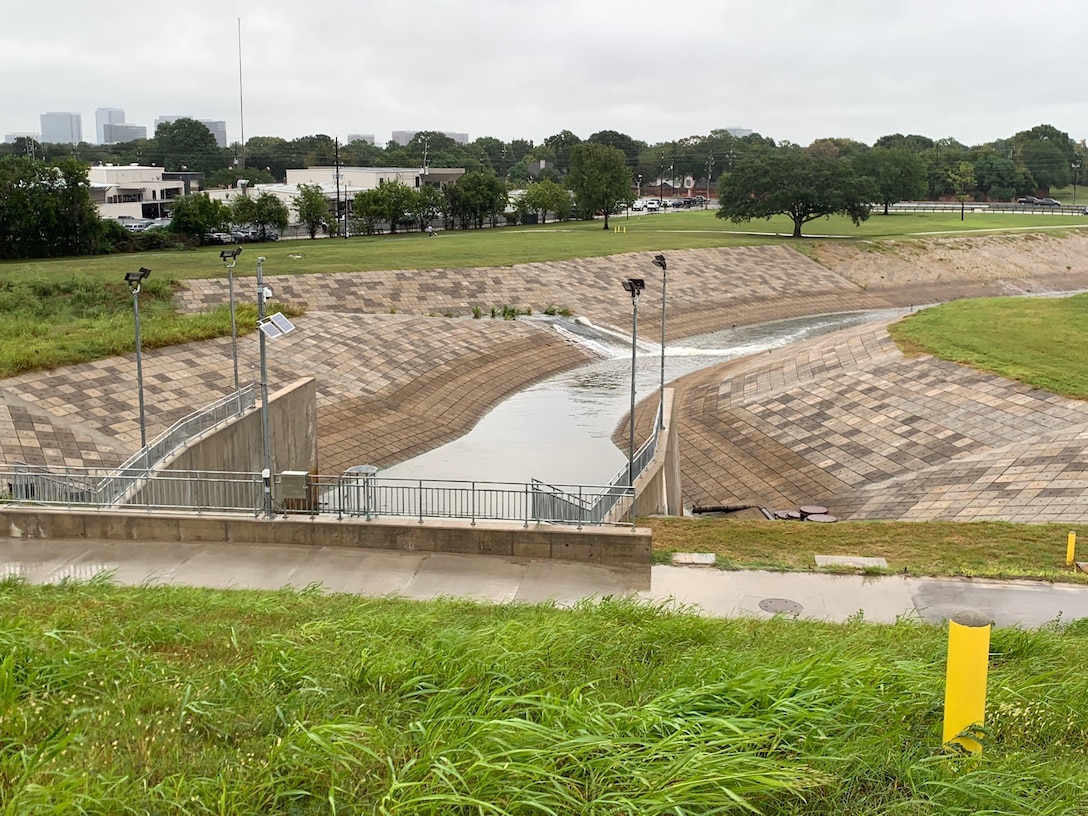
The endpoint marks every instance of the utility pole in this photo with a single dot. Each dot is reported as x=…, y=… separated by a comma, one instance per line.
x=336, y=176
x=1076, y=172
x=709, y=167
x=241, y=107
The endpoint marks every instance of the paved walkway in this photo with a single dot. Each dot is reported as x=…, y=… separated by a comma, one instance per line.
x=509, y=580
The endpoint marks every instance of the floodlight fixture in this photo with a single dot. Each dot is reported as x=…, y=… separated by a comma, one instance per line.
x=134, y=279
x=659, y=261
x=634, y=286
x=230, y=254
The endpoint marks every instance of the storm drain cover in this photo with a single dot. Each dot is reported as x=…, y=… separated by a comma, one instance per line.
x=778, y=606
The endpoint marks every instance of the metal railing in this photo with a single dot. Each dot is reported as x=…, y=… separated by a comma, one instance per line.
x=359, y=492
x=101, y=488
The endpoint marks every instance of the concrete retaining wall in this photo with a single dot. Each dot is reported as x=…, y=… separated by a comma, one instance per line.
x=237, y=446
x=602, y=545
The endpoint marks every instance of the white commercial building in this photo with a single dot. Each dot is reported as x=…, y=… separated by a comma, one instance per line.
x=360, y=137
x=9, y=138
x=352, y=181
x=135, y=191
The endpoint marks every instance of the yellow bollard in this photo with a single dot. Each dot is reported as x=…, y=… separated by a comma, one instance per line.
x=965, y=680
x=1071, y=550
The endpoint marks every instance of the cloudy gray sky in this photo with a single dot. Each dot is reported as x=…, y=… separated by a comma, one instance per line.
x=658, y=70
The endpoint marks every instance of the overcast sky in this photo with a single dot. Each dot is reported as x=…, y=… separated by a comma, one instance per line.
x=657, y=70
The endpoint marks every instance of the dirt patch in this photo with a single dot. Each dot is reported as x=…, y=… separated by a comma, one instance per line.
x=993, y=264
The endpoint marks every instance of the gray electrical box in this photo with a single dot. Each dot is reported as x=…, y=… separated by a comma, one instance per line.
x=293, y=484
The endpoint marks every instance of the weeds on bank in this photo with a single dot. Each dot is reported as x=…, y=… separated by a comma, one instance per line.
x=174, y=700
x=973, y=549
x=49, y=323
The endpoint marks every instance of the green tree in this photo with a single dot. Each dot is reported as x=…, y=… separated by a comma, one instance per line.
x=264, y=213
x=997, y=177
x=962, y=179
x=474, y=198
x=787, y=181
x=196, y=215
x=369, y=210
x=547, y=196
x=186, y=143
x=1048, y=154
x=562, y=144
x=46, y=209
x=620, y=141
x=398, y=200
x=897, y=174
x=426, y=204
x=312, y=207
x=599, y=178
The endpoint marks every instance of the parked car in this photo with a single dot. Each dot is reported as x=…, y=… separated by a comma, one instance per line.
x=1027, y=200
x=1047, y=202
x=652, y=206
x=638, y=205
x=217, y=238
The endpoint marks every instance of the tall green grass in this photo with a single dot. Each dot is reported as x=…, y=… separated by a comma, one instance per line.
x=184, y=701
x=48, y=322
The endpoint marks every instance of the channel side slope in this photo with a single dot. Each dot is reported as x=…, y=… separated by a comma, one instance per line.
x=388, y=386
x=849, y=422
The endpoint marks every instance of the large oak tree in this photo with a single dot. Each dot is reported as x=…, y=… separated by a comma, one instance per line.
x=787, y=181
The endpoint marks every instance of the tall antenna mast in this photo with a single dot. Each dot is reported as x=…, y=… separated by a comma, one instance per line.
x=241, y=108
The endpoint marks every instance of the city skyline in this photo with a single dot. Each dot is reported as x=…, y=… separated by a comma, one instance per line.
x=794, y=71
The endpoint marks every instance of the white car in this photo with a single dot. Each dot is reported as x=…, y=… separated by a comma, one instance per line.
x=638, y=205
x=652, y=206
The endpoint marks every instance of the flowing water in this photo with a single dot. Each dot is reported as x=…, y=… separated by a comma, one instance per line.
x=559, y=430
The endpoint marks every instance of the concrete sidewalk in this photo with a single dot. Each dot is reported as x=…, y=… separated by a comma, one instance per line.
x=499, y=579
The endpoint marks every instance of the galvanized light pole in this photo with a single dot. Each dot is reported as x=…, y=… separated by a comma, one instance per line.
x=232, y=256
x=633, y=286
x=265, y=432
x=659, y=260
x=134, y=279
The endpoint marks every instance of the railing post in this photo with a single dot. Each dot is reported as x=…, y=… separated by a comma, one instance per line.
x=581, y=507
x=419, y=498
x=473, y=483
x=528, y=505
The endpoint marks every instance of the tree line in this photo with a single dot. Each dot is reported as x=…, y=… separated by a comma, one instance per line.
x=46, y=209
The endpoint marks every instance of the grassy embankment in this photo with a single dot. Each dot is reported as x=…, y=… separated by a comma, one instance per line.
x=1038, y=341
x=184, y=701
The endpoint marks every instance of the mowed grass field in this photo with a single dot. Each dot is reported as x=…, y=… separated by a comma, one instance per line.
x=506, y=246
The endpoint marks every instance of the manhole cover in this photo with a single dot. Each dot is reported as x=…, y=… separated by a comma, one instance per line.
x=778, y=606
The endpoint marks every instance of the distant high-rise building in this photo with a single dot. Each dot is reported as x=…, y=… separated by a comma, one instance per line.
x=402, y=137
x=360, y=137
x=106, y=116
x=739, y=132
x=62, y=128
x=122, y=132
x=217, y=127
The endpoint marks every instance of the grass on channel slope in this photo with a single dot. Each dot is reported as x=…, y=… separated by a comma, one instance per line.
x=182, y=701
